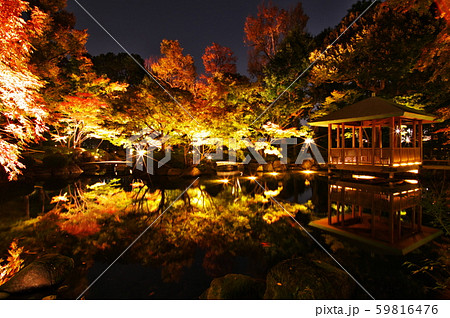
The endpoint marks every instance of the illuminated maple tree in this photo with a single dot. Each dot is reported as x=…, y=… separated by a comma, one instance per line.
x=22, y=110
x=265, y=32
x=219, y=59
x=86, y=112
x=173, y=67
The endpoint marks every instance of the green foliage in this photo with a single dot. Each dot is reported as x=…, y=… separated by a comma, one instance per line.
x=435, y=205
x=436, y=271
x=389, y=51
x=337, y=100
x=415, y=101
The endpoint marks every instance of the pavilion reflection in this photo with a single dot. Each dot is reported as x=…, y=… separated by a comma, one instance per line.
x=387, y=217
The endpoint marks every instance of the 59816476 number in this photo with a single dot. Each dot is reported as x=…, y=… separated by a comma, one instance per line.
x=404, y=309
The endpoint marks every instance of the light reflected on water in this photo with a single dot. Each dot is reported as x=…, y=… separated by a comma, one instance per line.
x=223, y=224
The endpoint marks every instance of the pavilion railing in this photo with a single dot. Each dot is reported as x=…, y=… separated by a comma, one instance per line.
x=377, y=157
x=382, y=201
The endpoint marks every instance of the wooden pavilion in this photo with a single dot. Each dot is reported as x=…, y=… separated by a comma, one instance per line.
x=375, y=135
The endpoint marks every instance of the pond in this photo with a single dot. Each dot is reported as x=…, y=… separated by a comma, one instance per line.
x=178, y=237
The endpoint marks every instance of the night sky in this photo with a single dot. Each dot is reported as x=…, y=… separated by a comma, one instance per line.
x=140, y=25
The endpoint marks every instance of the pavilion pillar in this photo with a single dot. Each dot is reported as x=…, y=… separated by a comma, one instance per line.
x=380, y=139
x=399, y=139
x=360, y=144
x=329, y=143
x=372, y=217
x=353, y=137
x=329, y=204
x=419, y=219
x=343, y=143
x=420, y=141
x=337, y=137
x=338, y=209
x=373, y=142
x=391, y=139
x=360, y=137
x=391, y=219
x=342, y=206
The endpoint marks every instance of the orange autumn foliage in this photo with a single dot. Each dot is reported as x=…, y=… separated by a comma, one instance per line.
x=81, y=225
x=219, y=59
x=22, y=111
x=265, y=33
x=13, y=263
x=173, y=67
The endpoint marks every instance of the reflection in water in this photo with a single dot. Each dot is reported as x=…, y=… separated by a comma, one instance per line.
x=386, y=216
x=215, y=228
x=221, y=225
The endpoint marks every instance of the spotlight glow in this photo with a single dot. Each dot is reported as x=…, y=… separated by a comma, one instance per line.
x=141, y=152
x=362, y=177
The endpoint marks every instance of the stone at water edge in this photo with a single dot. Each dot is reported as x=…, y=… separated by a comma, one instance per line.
x=50, y=297
x=48, y=271
x=308, y=164
x=234, y=287
x=302, y=278
x=278, y=166
x=4, y=295
x=191, y=172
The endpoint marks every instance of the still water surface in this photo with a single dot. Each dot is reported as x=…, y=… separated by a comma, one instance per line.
x=220, y=225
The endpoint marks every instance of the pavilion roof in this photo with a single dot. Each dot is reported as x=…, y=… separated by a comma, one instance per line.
x=372, y=108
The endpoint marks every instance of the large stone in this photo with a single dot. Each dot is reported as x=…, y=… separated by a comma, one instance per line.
x=4, y=295
x=48, y=271
x=207, y=169
x=235, y=286
x=191, y=172
x=302, y=278
x=74, y=170
x=308, y=164
x=279, y=166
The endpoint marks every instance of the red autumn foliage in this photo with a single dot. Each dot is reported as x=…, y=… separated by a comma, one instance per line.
x=22, y=111
x=219, y=59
